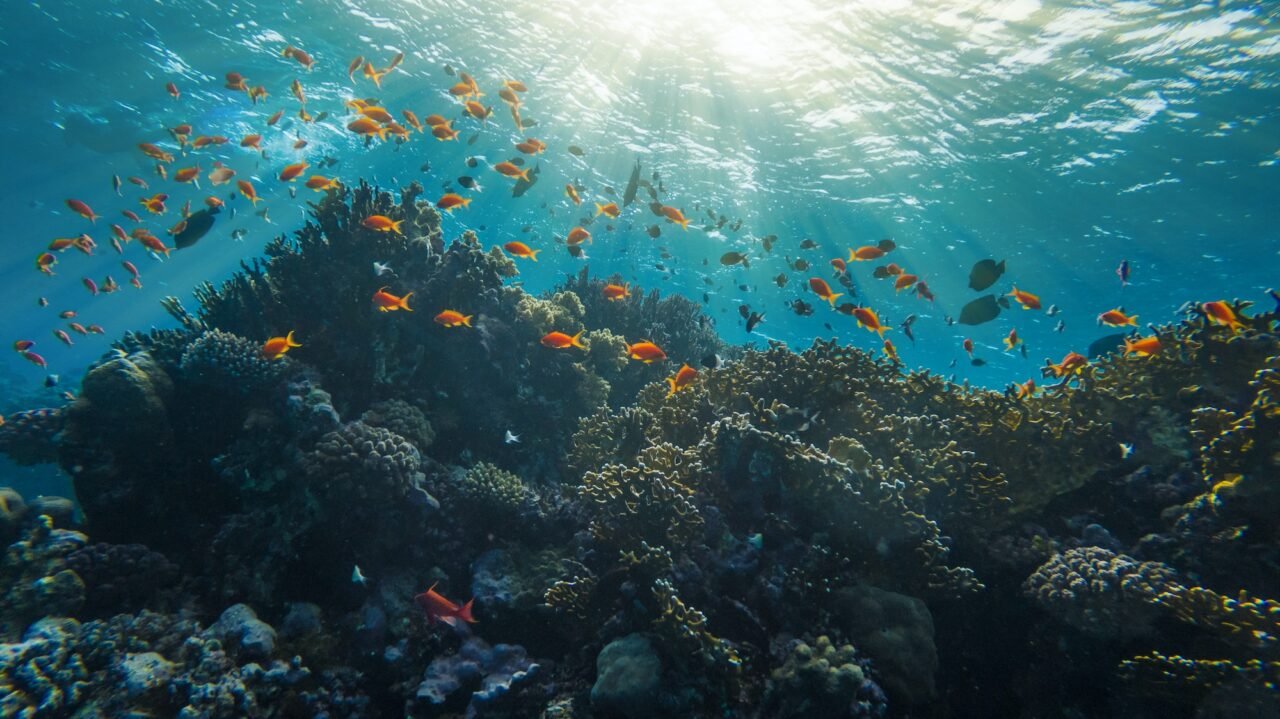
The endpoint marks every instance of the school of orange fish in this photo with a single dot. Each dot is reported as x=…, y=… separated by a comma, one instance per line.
x=370, y=121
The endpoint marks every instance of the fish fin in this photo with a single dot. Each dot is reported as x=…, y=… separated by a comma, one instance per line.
x=466, y=320
x=832, y=298
x=671, y=381
x=404, y=303
x=464, y=612
x=576, y=340
x=288, y=340
x=533, y=255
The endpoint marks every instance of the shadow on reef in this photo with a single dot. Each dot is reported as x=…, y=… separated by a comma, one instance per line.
x=793, y=534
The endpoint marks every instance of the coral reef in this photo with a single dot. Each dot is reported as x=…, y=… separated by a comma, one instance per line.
x=821, y=680
x=495, y=671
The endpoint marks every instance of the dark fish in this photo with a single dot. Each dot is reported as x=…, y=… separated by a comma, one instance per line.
x=526, y=228
x=802, y=308
x=425, y=167
x=744, y=288
x=886, y=245
x=575, y=150
x=1110, y=343
x=608, y=190
x=629, y=195
x=880, y=272
x=755, y=319
x=522, y=186
x=331, y=161
x=767, y=241
x=472, y=162
x=808, y=245
x=744, y=310
x=983, y=309
x=705, y=298
x=575, y=250
x=1123, y=272
x=528, y=122
x=735, y=258
x=847, y=308
x=801, y=265
x=1004, y=301
x=660, y=267
x=51, y=380
x=517, y=161
x=654, y=231
x=1275, y=296
x=1052, y=311
x=653, y=195
x=656, y=208
x=977, y=361
x=906, y=328
x=711, y=361
x=781, y=279
x=322, y=116
x=198, y=225
x=737, y=226
x=448, y=69
x=467, y=181
x=1023, y=345
x=985, y=273
x=707, y=280
x=472, y=140
x=1061, y=326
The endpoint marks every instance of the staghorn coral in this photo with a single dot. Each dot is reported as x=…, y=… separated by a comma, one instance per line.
x=1176, y=671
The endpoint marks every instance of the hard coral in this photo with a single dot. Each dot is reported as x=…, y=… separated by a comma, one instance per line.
x=820, y=680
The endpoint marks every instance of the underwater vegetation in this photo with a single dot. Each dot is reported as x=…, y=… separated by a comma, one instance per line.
x=407, y=515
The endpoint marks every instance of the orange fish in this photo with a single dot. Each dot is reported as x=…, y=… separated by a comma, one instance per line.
x=1012, y=340
x=303, y=58
x=434, y=120
x=365, y=126
x=509, y=96
x=864, y=253
x=172, y=90
x=355, y=65
x=683, y=378
x=256, y=93
x=572, y=194
x=82, y=209
x=903, y=282
x=646, y=351
x=299, y=143
x=382, y=223
x=63, y=337
x=444, y=132
x=675, y=216
x=1117, y=318
x=1027, y=389
x=154, y=152
x=163, y=173
x=511, y=170
x=1143, y=347
x=155, y=203
x=78, y=328
x=560, y=340
x=246, y=189
x=478, y=111
x=968, y=347
x=291, y=172
x=577, y=236
x=451, y=200
x=1220, y=313
x=1026, y=299
x=221, y=175
x=61, y=243
x=614, y=293
x=839, y=266
x=395, y=62
x=188, y=174
x=891, y=352
x=177, y=229
x=320, y=183
x=251, y=141
x=1072, y=363
x=271, y=121
x=610, y=210
x=387, y=302
x=438, y=608
x=377, y=114
x=45, y=262
x=373, y=74
x=520, y=249
x=471, y=82
x=153, y=243
x=453, y=318
x=867, y=317
x=276, y=347
x=515, y=85
x=823, y=290
x=460, y=89
x=236, y=81
x=412, y=119
x=213, y=203
x=131, y=215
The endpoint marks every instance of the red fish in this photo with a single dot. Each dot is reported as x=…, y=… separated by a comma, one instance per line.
x=63, y=337
x=440, y=609
x=276, y=347
x=90, y=285
x=823, y=290
x=34, y=359
x=683, y=378
x=45, y=262
x=1026, y=299
x=387, y=302
x=646, y=351
x=560, y=340
x=82, y=209
x=1012, y=340
x=453, y=318
x=172, y=90
x=23, y=345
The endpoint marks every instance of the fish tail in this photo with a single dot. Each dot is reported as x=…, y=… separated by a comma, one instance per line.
x=533, y=255
x=576, y=340
x=464, y=612
x=684, y=224
x=599, y=209
x=396, y=226
x=289, y=340
x=466, y=320
x=832, y=298
x=525, y=176
x=404, y=303
x=671, y=381
x=1133, y=321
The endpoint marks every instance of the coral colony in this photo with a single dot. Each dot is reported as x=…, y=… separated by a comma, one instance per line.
x=790, y=534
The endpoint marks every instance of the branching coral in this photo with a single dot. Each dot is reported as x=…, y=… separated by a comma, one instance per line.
x=631, y=505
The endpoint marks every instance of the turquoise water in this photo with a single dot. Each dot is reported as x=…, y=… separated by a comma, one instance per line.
x=1062, y=137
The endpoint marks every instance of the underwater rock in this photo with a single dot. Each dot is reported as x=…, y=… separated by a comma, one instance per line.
x=896, y=631
x=59, y=509
x=41, y=676
x=144, y=672
x=301, y=620
x=402, y=418
x=628, y=678
x=121, y=578
x=240, y=627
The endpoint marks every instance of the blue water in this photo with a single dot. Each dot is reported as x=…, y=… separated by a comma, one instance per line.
x=1062, y=137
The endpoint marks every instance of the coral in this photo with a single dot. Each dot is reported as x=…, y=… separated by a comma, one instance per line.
x=896, y=631
x=490, y=492
x=631, y=505
x=365, y=464
x=28, y=437
x=230, y=362
x=240, y=627
x=628, y=678
x=1100, y=592
x=819, y=680
x=684, y=630
x=402, y=418
x=41, y=676
x=1176, y=671
x=36, y=578
x=497, y=670
x=121, y=577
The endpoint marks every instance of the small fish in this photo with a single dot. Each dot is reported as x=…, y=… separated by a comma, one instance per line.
x=380, y=269
x=867, y=318
x=82, y=209
x=1027, y=389
x=1126, y=450
x=34, y=359
x=357, y=577
x=1011, y=340
x=511, y=438
x=1026, y=299
x=560, y=340
x=1143, y=347
x=609, y=210
x=983, y=309
x=51, y=380
x=438, y=608
x=382, y=223
x=646, y=351
x=977, y=362
x=891, y=352
x=452, y=318
x=712, y=361
x=755, y=319
x=968, y=347
x=1220, y=313
x=387, y=302
x=735, y=258
x=985, y=273
x=511, y=170
x=1072, y=363
x=808, y=245
x=1123, y=272
x=63, y=337
x=823, y=290
x=682, y=378
x=577, y=236
x=576, y=151
x=906, y=328
x=614, y=292
x=1060, y=327
x=1117, y=318
x=1052, y=311
x=675, y=215
x=276, y=347
x=520, y=249
x=781, y=280
x=90, y=285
